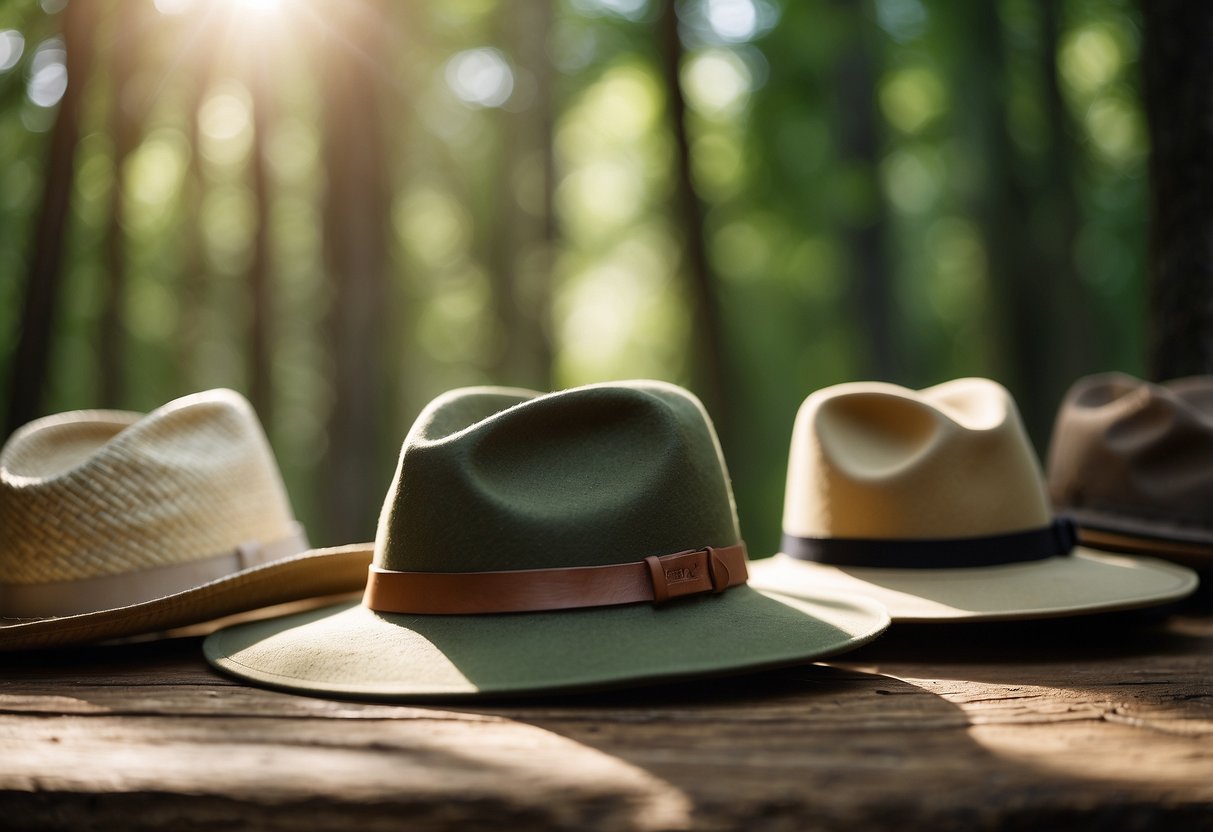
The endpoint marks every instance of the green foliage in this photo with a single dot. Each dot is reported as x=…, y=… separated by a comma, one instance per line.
x=784, y=200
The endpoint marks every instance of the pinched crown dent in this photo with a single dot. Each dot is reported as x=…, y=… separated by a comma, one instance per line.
x=601, y=474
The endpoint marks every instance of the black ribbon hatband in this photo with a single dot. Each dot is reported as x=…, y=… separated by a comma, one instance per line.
x=1058, y=538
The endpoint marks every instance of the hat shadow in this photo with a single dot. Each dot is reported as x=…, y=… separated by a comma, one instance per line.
x=994, y=648
x=590, y=760
x=872, y=730
x=848, y=742
x=778, y=739
x=1200, y=602
x=843, y=744
x=1074, y=699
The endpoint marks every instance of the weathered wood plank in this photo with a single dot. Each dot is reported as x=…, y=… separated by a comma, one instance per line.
x=419, y=764
x=832, y=699
x=1096, y=730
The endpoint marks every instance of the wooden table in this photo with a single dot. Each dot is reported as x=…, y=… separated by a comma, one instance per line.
x=1103, y=724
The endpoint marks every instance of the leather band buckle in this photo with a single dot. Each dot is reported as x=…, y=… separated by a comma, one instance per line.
x=655, y=579
x=687, y=573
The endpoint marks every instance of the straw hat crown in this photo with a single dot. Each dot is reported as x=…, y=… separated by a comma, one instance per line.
x=1125, y=445
x=500, y=479
x=875, y=460
x=94, y=493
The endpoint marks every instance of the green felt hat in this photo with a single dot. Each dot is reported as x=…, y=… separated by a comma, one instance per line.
x=506, y=504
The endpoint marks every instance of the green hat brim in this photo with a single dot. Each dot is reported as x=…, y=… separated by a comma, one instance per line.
x=349, y=650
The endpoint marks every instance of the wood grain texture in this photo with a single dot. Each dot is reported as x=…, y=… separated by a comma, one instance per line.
x=1098, y=725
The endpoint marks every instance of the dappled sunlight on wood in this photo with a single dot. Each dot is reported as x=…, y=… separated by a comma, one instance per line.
x=100, y=731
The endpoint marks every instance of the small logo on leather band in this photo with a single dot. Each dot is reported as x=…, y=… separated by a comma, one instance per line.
x=680, y=576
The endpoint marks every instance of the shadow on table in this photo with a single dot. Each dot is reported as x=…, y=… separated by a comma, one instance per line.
x=721, y=752
x=835, y=747
x=1110, y=636
x=799, y=747
x=813, y=746
x=842, y=745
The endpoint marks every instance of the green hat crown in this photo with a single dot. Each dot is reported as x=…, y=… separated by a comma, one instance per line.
x=494, y=478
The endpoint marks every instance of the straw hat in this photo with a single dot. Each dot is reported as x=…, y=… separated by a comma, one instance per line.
x=117, y=524
x=933, y=503
x=1132, y=464
x=580, y=539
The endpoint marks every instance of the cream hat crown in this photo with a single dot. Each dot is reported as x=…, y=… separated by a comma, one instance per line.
x=933, y=503
x=874, y=460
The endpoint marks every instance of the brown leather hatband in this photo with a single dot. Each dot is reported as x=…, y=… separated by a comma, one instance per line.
x=655, y=579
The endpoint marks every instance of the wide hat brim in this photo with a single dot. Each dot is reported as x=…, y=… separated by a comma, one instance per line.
x=352, y=651
x=1083, y=582
x=317, y=572
x=1125, y=533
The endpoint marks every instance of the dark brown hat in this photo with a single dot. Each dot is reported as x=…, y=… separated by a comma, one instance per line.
x=1132, y=463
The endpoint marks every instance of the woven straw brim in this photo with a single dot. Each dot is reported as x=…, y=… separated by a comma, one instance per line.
x=311, y=574
x=1081, y=583
x=352, y=651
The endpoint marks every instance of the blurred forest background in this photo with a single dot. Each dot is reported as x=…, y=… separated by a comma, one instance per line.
x=345, y=207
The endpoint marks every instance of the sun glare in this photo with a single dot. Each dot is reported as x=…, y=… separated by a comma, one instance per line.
x=257, y=7
x=172, y=6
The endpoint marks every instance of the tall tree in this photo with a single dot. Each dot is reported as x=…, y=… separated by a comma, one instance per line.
x=356, y=205
x=1178, y=68
x=31, y=359
x=260, y=269
x=1020, y=286
x=127, y=114
x=197, y=43
x=520, y=257
x=1070, y=318
x=872, y=292
x=707, y=328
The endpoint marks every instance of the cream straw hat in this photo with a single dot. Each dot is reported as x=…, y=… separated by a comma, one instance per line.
x=933, y=503
x=117, y=524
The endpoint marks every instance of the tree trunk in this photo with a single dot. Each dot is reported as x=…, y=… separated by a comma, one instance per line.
x=1020, y=290
x=872, y=292
x=520, y=256
x=126, y=126
x=261, y=391
x=1070, y=319
x=1177, y=62
x=355, y=240
x=31, y=359
x=545, y=117
x=707, y=330
x=194, y=271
